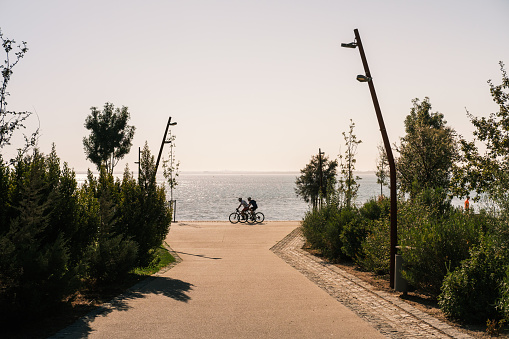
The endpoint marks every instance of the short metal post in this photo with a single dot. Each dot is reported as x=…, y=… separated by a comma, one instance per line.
x=400, y=284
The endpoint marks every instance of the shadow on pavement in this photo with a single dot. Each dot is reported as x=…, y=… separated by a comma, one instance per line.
x=168, y=287
x=198, y=255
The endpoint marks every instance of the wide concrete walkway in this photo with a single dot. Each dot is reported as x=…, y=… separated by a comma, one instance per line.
x=228, y=285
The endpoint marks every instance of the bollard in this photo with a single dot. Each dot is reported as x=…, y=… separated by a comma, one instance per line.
x=400, y=284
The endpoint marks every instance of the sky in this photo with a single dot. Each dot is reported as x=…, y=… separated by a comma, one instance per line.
x=253, y=85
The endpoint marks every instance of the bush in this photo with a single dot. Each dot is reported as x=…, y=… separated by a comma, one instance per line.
x=354, y=232
x=144, y=215
x=322, y=230
x=313, y=228
x=471, y=292
x=434, y=243
x=112, y=258
x=503, y=303
x=55, y=236
x=34, y=271
x=375, y=209
x=376, y=247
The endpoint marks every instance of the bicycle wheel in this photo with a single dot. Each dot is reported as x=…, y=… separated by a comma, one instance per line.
x=259, y=217
x=234, y=218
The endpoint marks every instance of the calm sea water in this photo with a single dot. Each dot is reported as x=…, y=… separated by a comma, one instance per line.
x=213, y=196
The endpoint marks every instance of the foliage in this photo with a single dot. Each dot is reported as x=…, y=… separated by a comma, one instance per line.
x=470, y=293
x=348, y=185
x=488, y=172
x=162, y=258
x=382, y=168
x=427, y=151
x=56, y=237
x=112, y=257
x=376, y=209
x=308, y=184
x=322, y=228
x=171, y=170
x=145, y=215
x=503, y=303
x=336, y=231
x=376, y=247
x=434, y=242
x=11, y=121
x=355, y=230
x=34, y=272
x=110, y=136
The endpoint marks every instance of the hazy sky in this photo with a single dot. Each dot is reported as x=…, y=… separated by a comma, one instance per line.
x=253, y=85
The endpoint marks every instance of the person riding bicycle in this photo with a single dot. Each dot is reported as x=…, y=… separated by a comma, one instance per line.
x=245, y=208
x=252, y=205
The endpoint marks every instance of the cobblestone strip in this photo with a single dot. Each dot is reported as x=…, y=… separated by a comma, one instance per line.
x=387, y=313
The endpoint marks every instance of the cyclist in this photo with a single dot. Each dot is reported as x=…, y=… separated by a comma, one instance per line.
x=245, y=208
x=252, y=205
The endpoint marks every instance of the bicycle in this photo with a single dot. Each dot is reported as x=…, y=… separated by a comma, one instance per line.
x=257, y=217
x=237, y=216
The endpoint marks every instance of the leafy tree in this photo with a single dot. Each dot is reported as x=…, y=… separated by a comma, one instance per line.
x=427, y=152
x=10, y=121
x=111, y=137
x=348, y=185
x=488, y=172
x=308, y=184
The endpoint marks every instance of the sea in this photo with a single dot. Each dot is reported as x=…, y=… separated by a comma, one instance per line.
x=212, y=196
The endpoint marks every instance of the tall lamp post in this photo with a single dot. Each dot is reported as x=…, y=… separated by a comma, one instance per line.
x=392, y=167
x=320, y=173
x=164, y=142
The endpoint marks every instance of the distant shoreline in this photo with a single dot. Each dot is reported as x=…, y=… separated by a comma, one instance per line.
x=226, y=172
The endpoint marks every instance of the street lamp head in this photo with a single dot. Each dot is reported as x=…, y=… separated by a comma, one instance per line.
x=363, y=78
x=349, y=45
x=173, y=124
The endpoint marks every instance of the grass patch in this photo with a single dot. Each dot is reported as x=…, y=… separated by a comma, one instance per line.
x=162, y=258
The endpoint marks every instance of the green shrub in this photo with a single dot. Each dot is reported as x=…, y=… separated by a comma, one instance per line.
x=112, y=258
x=434, y=243
x=313, y=229
x=34, y=271
x=322, y=229
x=144, y=216
x=376, y=247
x=353, y=233
x=374, y=209
x=470, y=293
x=333, y=230
x=503, y=302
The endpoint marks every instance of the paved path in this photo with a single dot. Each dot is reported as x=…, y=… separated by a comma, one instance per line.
x=386, y=312
x=230, y=284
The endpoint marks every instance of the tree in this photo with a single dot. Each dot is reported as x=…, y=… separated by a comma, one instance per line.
x=488, y=172
x=308, y=184
x=427, y=152
x=348, y=185
x=143, y=209
x=171, y=169
x=11, y=121
x=110, y=138
x=382, y=168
